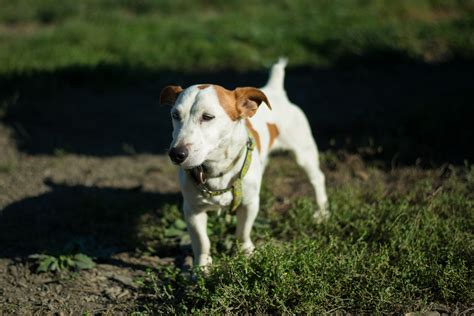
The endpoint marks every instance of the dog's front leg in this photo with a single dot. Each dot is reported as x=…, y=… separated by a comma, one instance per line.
x=246, y=215
x=197, y=227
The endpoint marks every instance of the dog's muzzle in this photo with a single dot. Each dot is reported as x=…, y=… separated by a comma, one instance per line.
x=178, y=154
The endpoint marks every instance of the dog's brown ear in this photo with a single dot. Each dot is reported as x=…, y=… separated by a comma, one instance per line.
x=169, y=95
x=248, y=100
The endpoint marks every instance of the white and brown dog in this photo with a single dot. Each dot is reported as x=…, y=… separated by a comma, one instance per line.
x=214, y=133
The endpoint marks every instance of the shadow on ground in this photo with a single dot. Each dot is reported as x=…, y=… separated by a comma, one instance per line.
x=393, y=107
x=58, y=221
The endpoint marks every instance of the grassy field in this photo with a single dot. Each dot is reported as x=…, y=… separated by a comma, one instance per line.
x=397, y=242
x=203, y=35
x=386, y=85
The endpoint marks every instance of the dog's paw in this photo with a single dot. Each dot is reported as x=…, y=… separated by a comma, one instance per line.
x=203, y=262
x=321, y=216
x=247, y=249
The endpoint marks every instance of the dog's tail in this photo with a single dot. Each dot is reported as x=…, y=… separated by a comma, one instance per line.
x=277, y=74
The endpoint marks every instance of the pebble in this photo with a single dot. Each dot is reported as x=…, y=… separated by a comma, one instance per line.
x=113, y=292
x=125, y=280
x=59, y=288
x=125, y=293
x=13, y=270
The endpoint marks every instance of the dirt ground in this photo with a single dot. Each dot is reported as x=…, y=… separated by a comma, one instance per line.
x=108, y=288
x=36, y=226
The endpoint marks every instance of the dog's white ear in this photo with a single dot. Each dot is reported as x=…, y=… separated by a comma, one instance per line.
x=248, y=100
x=169, y=95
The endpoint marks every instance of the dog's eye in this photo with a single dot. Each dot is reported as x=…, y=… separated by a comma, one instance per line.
x=175, y=115
x=207, y=117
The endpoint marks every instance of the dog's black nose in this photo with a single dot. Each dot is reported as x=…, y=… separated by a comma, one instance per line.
x=178, y=154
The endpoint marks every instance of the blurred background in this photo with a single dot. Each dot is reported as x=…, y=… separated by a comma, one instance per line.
x=84, y=76
x=82, y=137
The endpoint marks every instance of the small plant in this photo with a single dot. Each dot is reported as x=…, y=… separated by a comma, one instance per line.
x=176, y=229
x=72, y=262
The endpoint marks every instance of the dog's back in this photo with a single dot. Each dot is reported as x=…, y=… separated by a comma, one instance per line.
x=286, y=127
x=276, y=128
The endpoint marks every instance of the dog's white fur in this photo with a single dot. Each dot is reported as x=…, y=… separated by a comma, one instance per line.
x=218, y=143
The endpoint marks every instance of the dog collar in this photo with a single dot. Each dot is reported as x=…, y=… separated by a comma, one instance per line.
x=200, y=178
x=200, y=175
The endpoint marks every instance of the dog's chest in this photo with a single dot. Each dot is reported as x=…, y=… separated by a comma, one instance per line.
x=201, y=198
x=216, y=202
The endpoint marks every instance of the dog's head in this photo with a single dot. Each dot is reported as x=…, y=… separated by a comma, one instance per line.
x=204, y=117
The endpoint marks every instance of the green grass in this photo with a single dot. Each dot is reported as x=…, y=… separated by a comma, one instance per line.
x=384, y=250
x=204, y=35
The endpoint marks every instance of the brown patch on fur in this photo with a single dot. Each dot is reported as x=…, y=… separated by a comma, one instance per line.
x=274, y=132
x=203, y=86
x=169, y=95
x=227, y=101
x=255, y=135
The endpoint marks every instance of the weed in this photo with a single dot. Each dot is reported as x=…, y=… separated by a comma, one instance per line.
x=48, y=263
x=162, y=234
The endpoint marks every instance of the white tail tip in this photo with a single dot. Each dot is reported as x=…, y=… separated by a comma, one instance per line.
x=277, y=74
x=282, y=61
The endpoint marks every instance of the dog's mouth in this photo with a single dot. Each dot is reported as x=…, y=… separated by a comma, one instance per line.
x=199, y=174
x=189, y=165
x=184, y=165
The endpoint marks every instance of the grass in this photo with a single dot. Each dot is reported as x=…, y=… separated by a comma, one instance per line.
x=48, y=35
x=385, y=249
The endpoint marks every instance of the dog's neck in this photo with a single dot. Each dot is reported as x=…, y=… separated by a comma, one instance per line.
x=228, y=156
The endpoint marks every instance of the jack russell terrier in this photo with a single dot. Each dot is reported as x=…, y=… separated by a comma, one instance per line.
x=222, y=144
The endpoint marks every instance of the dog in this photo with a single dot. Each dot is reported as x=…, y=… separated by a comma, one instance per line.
x=221, y=141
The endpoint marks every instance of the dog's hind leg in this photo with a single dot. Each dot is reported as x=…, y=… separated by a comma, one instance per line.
x=308, y=159
x=299, y=139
